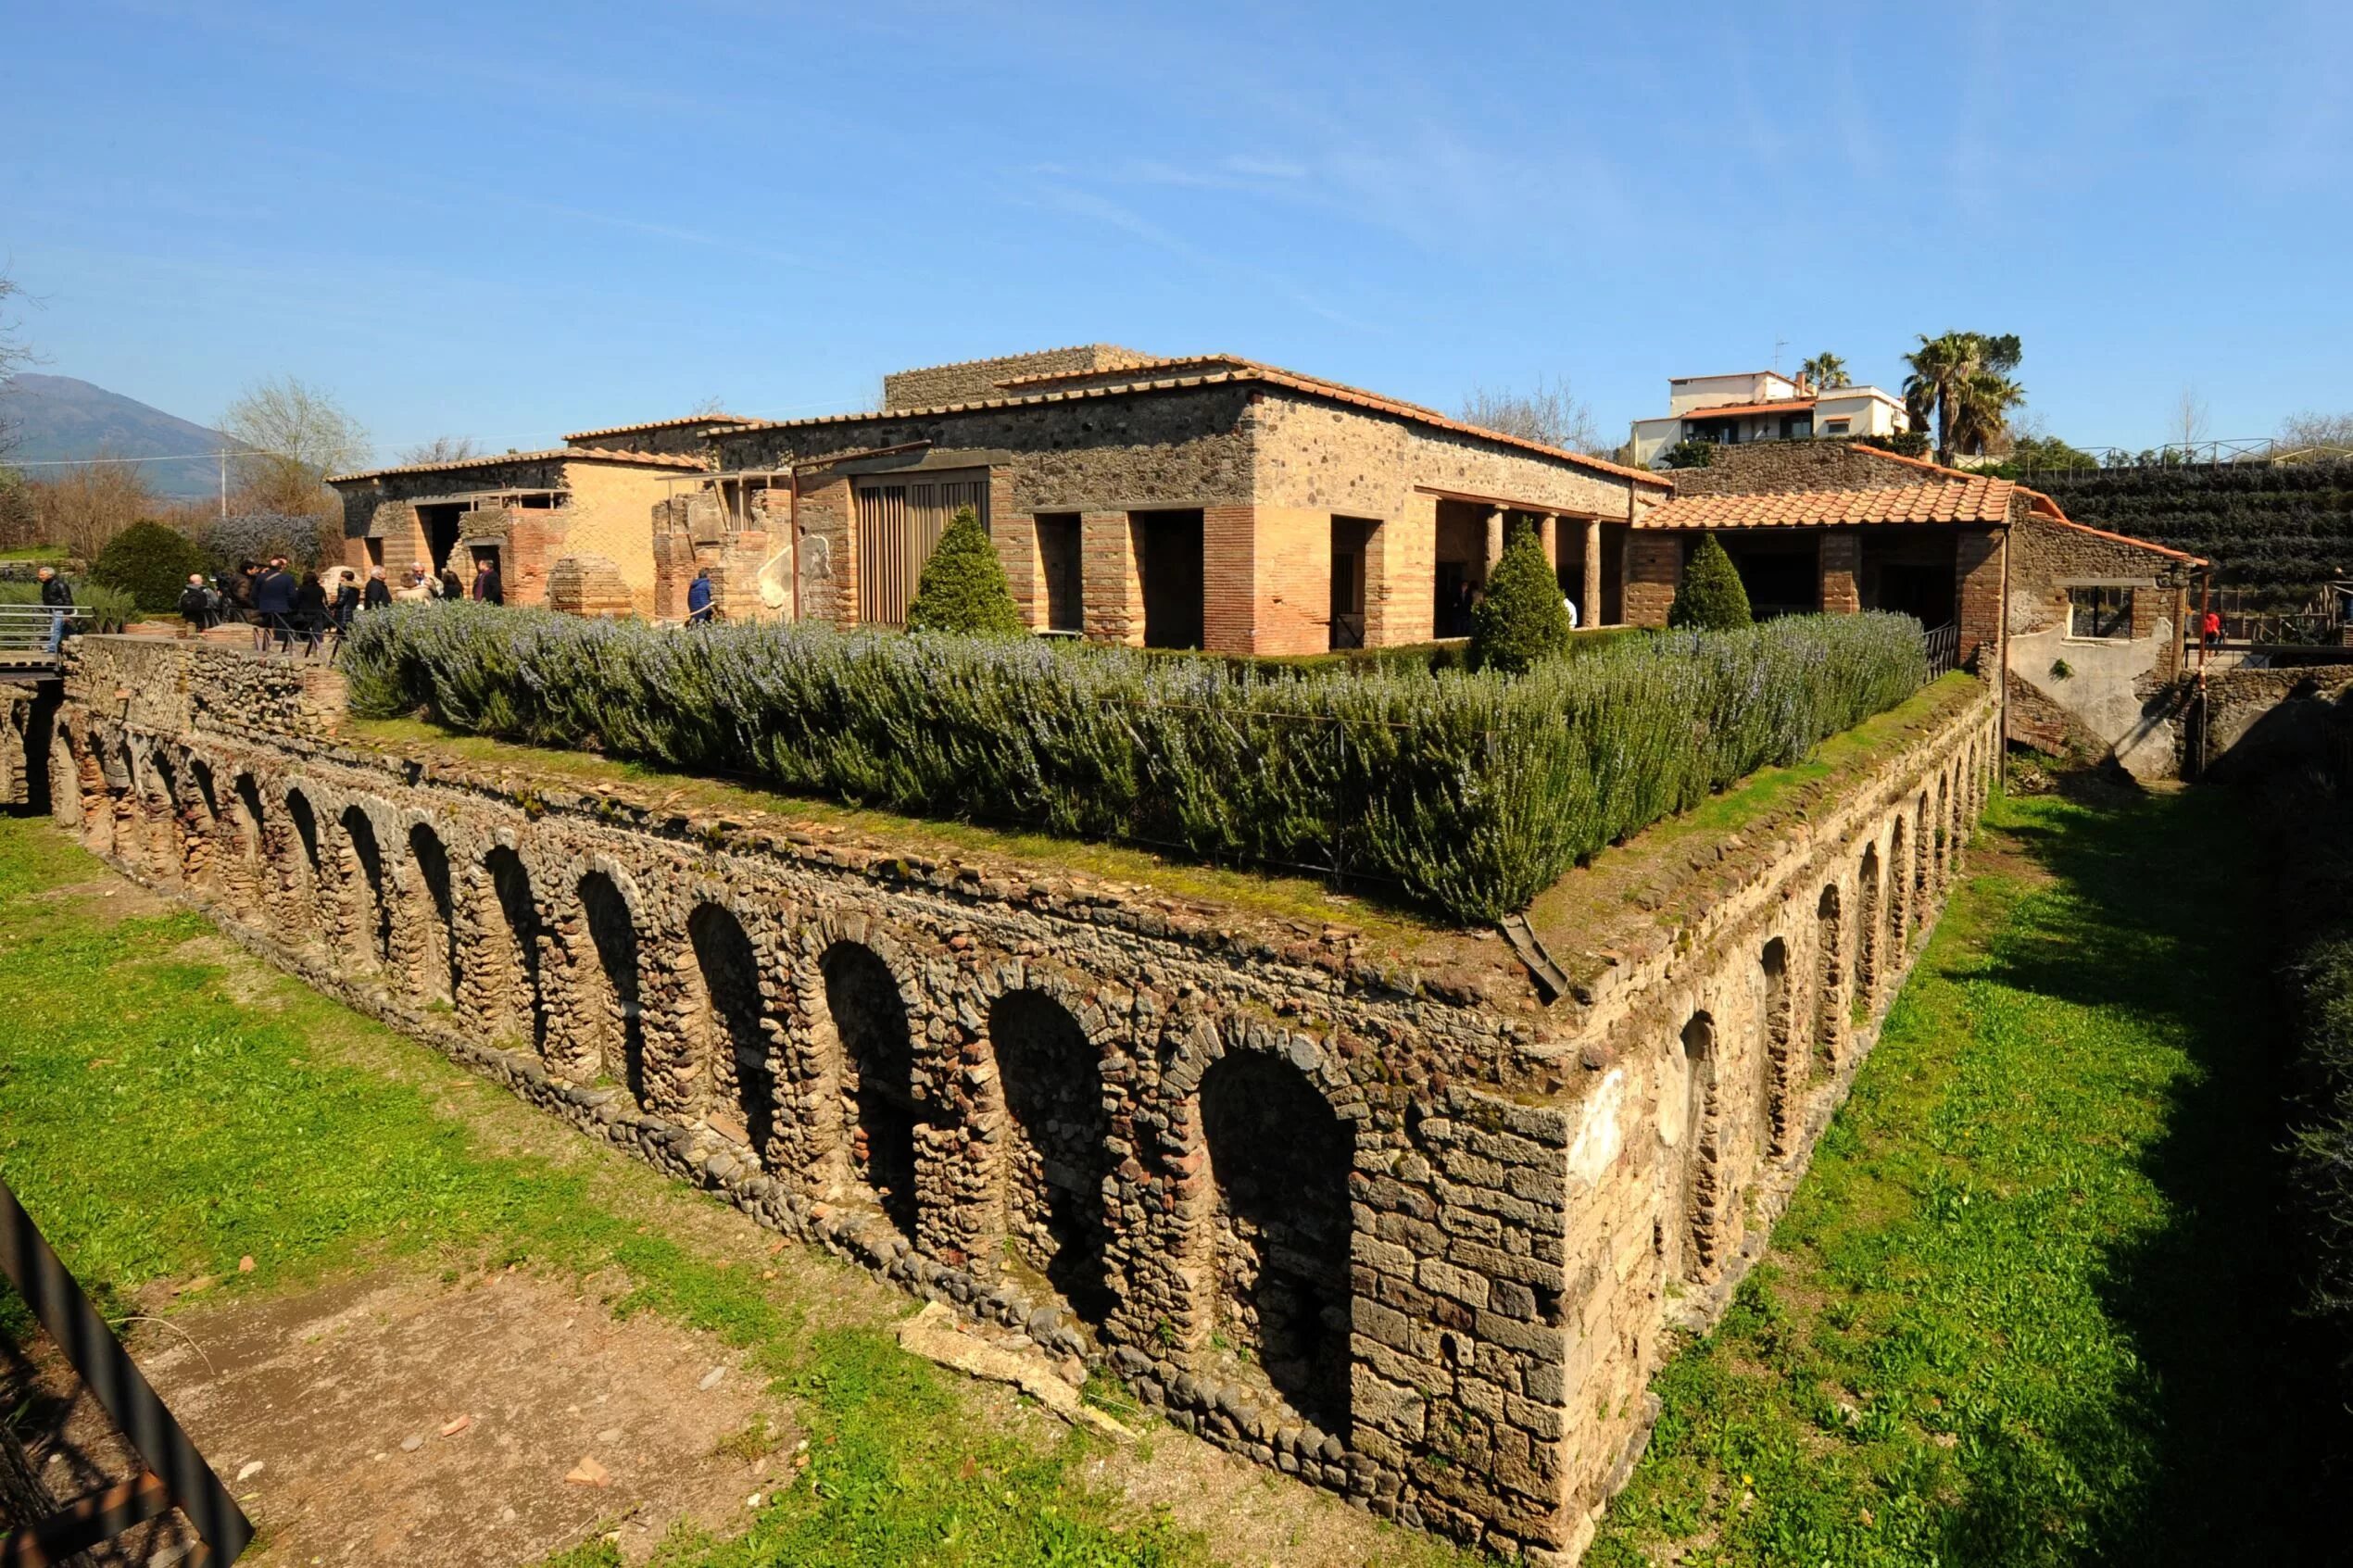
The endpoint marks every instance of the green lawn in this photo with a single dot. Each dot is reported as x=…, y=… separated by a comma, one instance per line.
x=2027, y=1307
x=158, y=1128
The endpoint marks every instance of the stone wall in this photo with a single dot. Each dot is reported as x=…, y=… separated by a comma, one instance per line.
x=973, y=380
x=1364, y=1206
x=2113, y=691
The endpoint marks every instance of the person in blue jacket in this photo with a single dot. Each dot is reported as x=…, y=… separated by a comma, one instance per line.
x=698, y=607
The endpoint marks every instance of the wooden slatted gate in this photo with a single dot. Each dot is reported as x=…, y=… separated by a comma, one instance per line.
x=900, y=519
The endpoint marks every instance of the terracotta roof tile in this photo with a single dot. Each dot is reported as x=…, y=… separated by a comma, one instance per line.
x=1979, y=500
x=656, y=424
x=1245, y=373
x=497, y=459
x=1781, y=406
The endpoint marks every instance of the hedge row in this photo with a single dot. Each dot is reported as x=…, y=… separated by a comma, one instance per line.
x=1473, y=792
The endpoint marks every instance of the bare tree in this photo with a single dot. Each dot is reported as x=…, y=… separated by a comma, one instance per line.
x=714, y=404
x=2310, y=430
x=1548, y=412
x=14, y=354
x=295, y=434
x=441, y=449
x=2189, y=424
x=90, y=503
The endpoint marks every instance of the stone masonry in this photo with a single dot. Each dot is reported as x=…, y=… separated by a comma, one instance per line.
x=1359, y=1204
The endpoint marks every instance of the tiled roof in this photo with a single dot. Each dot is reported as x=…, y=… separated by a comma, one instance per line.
x=1129, y=356
x=1781, y=406
x=1246, y=373
x=1978, y=500
x=499, y=459
x=1194, y=364
x=656, y=424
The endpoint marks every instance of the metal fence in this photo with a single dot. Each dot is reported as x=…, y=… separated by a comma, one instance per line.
x=1944, y=650
x=176, y=1474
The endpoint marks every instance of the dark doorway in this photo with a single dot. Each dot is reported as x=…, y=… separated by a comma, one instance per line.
x=1911, y=574
x=733, y=1042
x=1280, y=1161
x=1060, y=571
x=1352, y=549
x=1056, y=1159
x=1780, y=573
x=441, y=528
x=1168, y=561
x=878, y=1057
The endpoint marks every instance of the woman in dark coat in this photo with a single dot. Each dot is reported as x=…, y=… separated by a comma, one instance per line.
x=347, y=601
x=452, y=590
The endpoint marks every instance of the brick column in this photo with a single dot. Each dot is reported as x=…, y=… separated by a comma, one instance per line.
x=1841, y=567
x=1591, y=610
x=823, y=515
x=1015, y=537
x=1494, y=542
x=1977, y=563
x=1401, y=571
x=1111, y=590
x=1231, y=588
x=1654, y=566
x=1548, y=534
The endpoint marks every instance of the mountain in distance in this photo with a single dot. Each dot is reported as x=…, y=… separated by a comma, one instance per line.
x=58, y=417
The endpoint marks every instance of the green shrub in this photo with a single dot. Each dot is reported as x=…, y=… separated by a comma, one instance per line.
x=1470, y=792
x=1689, y=453
x=1522, y=621
x=1710, y=597
x=150, y=562
x=963, y=591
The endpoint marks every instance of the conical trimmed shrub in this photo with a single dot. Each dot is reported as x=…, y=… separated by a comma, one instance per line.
x=1710, y=597
x=963, y=589
x=1522, y=622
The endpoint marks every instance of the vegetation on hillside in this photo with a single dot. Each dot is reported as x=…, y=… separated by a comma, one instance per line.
x=2277, y=531
x=1470, y=792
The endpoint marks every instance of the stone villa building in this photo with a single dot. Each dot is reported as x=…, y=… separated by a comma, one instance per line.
x=1209, y=502
x=1220, y=503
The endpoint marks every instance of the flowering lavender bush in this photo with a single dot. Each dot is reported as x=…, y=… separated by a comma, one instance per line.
x=1474, y=792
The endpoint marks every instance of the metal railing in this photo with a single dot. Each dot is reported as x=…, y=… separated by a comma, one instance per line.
x=30, y=634
x=176, y=1474
x=1944, y=648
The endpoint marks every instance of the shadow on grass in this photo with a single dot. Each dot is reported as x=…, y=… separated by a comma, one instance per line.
x=2226, y=1441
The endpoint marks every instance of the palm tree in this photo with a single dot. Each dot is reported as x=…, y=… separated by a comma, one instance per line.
x=1823, y=371
x=1962, y=382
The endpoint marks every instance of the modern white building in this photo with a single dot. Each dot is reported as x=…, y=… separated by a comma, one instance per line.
x=1764, y=405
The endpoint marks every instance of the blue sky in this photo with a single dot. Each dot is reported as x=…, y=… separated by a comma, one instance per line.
x=511, y=221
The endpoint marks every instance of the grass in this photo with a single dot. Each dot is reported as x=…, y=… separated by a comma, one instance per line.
x=158, y=1128
x=2027, y=1307
x=34, y=552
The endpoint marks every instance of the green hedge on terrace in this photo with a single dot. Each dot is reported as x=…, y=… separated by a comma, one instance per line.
x=1473, y=792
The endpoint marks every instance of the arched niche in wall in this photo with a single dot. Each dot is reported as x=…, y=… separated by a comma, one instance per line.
x=1056, y=1157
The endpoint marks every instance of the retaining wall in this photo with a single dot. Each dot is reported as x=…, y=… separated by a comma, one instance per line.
x=1359, y=1204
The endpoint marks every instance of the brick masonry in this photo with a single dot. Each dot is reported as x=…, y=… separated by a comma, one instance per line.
x=1368, y=1210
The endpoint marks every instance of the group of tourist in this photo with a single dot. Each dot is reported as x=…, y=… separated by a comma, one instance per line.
x=288, y=612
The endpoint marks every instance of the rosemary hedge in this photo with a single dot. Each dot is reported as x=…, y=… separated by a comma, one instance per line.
x=1473, y=792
